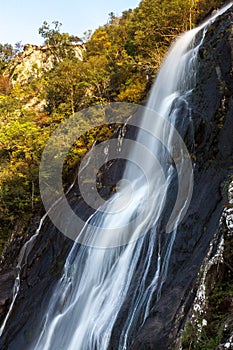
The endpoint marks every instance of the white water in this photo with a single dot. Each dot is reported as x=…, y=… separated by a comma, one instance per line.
x=22, y=259
x=93, y=288
x=89, y=296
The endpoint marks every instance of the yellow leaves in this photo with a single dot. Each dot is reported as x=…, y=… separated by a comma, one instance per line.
x=107, y=45
x=17, y=91
x=20, y=168
x=99, y=42
x=133, y=91
x=44, y=82
x=22, y=141
x=41, y=119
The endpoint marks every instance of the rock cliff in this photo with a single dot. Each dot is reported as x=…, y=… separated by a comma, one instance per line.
x=29, y=63
x=212, y=110
x=211, y=106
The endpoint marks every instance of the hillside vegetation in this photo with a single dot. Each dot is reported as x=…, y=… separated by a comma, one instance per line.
x=120, y=61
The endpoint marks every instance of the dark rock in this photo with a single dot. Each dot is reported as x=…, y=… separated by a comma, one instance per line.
x=6, y=287
x=212, y=110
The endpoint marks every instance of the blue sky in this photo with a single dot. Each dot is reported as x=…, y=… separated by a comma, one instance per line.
x=20, y=19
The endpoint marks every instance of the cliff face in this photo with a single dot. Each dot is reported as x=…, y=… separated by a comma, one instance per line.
x=210, y=321
x=29, y=66
x=29, y=63
x=211, y=106
x=212, y=110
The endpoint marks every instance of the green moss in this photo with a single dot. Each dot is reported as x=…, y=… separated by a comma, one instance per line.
x=218, y=313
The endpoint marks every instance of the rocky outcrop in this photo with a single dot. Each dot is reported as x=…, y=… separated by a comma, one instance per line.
x=28, y=64
x=211, y=104
x=6, y=284
x=210, y=322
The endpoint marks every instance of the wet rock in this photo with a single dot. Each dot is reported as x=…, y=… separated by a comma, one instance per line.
x=212, y=110
x=6, y=287
x=211, y=107
x=210, y=319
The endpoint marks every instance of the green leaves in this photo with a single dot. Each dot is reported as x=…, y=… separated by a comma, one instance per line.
x=61, y=45
x=7, y=52
x=119, y=63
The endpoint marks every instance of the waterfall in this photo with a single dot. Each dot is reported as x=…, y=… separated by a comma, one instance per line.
x=107, y=289
x=88, y=304
x=91, y=293
x=21, y=260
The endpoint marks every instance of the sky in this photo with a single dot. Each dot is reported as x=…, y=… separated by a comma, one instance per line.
x=21, y=19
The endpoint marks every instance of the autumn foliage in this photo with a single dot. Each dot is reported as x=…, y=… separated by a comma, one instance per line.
x=120, y=62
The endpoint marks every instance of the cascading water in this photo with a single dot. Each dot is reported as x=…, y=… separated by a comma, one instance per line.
x=87, y=310
x=92, y=290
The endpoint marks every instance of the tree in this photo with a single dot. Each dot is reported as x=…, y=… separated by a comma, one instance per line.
x=64, y=89
x=61, y=45
x=119, y=63
x=5, y=84
x=6, y=53
x=112, y=17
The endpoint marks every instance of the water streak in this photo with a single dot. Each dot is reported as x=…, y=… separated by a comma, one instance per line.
x=104, y=295
x=90, y=298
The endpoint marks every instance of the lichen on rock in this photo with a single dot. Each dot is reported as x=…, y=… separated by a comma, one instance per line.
x=210, y=322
